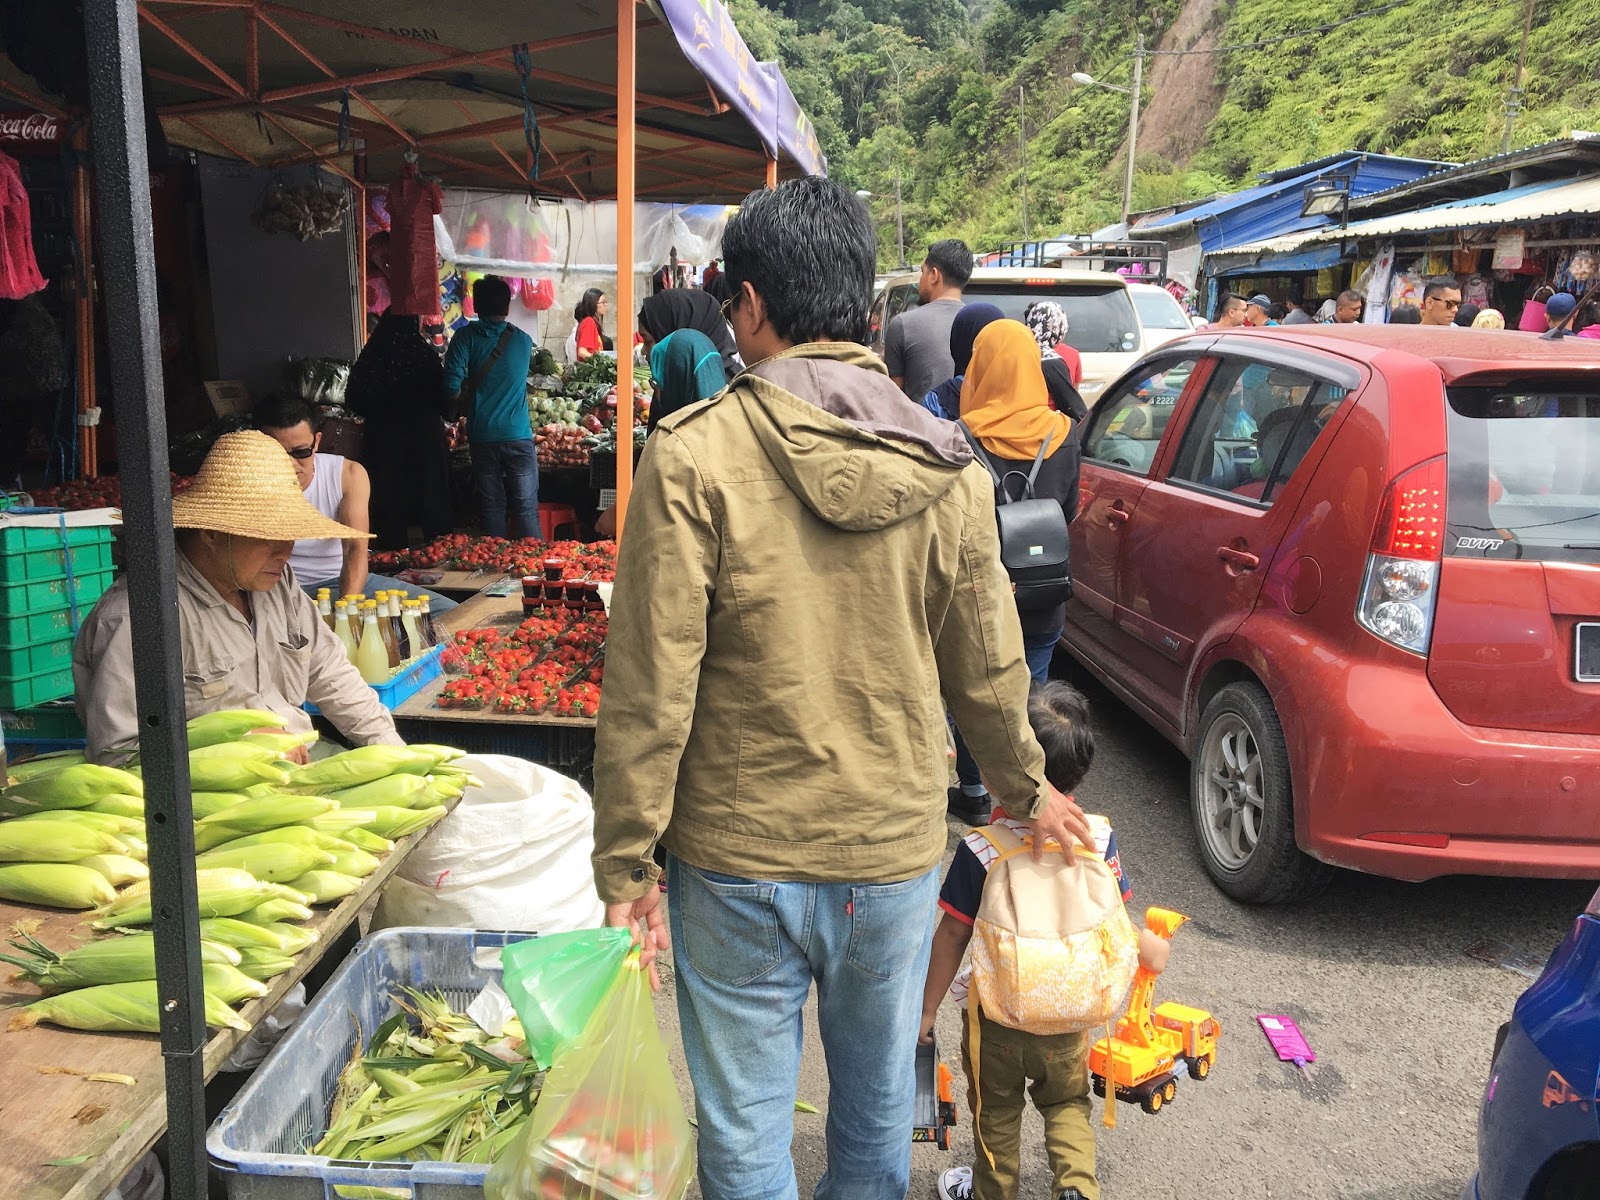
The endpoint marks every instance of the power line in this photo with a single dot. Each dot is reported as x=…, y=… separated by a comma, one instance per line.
x=1285, y=37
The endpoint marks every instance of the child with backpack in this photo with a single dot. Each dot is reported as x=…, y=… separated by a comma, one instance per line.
x=1037, y=984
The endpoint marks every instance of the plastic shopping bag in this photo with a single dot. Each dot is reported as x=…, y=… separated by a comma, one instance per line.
x=609, y=1124
x=555, y=983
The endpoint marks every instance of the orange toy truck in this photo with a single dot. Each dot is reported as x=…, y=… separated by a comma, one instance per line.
x=1150, y=1051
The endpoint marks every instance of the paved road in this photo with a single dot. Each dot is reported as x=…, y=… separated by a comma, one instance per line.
x=1375, y=974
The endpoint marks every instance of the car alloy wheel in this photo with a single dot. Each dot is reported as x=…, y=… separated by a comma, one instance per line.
x=1232, y=807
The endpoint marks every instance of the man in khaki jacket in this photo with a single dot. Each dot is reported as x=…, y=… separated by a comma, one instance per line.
x=810, y=562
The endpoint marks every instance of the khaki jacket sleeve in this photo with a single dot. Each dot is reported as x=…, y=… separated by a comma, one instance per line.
x=656, y=638
x=102, y=676
x=982, y=671
x=335, y=686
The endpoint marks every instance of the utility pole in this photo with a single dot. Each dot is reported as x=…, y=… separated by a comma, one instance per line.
x=899, y=214
x=1022, y=145
x=1514, y=93
x=1133, y=127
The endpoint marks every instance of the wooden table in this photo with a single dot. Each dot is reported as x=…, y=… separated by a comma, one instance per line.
x=458, y=583
x=49, y=1118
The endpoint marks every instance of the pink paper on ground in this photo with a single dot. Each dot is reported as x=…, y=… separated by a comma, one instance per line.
x=1286, y=1038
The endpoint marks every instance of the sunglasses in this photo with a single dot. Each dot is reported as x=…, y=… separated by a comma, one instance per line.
x=301, y=452
x=1447, y=303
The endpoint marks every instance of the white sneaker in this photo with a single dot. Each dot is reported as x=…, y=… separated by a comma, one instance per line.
x=956, y=1184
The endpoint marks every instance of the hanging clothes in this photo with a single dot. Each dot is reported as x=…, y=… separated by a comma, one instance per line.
x=413, y=256
x=19, y=269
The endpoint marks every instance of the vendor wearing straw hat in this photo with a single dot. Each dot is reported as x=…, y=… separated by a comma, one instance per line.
x=251, y=637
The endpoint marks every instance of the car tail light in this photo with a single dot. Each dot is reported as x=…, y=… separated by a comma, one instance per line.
x=1402, y=579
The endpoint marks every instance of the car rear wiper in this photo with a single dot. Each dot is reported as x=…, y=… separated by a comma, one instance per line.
x=1582, y=546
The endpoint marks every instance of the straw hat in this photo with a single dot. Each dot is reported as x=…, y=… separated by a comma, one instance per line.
x=247, y=487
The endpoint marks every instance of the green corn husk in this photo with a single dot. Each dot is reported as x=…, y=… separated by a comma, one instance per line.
x=234, y=774
x=361, y=765
x=123, y=959
x=231, y=985
x=209, y=804
x=117, y=868
x=104, y=822
x=401, y=791
x=242, y=935
x=295, y=835
x=365, y=839
x=257, y=816
x=119, y=804
x=396, y=823
x=324, y=887
x=77, y=786
x=275, y=862
x=264, y=964
x=281, y=743
x=55, y=885
x=340, y=822
x=52, y=841
x=293, y=938
x=224, y=892
x=241, y=749
x=273, y=911
x=354, y=862
x=440, y=789
x=115, y=1008
x=439, y=754
x=229, y=725
x=43, y=764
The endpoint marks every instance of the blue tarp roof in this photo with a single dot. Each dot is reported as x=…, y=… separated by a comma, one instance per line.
x=1272, y=209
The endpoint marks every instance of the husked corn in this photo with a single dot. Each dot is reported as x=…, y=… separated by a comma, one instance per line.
x=43, y=764
x=117, y=868
x=55, y=885
x=391, y=822
x=269, y=911
x=257, y=816
x=52, y=841
x=232, y=774
x=228, y=725
x=207, y=804
x=397, y=790
x=282, y=743
x=120, y=804
x=77, y=786
x=293, y=938
x=276, y=862
x=264, y=964
x=354, y=862
x=242, y=935
x=365, y=839
x=224, y=892
x=361, y=765
x=231, y=985
x=324, y=887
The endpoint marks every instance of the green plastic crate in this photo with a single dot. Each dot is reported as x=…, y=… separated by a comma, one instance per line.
x=28, y=690
x=52, y=655
x=41, y=626
x=51, y=596
x=46, y=723
x=28, y=553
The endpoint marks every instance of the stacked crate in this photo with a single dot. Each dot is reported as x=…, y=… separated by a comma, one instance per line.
x=49, y=580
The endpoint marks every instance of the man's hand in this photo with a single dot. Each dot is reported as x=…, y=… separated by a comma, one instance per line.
x=926, y=1036
x=1062, y=820
x=300, y=756
x=648, y=924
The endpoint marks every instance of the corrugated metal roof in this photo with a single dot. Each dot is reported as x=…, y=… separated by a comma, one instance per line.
x=1544, y=201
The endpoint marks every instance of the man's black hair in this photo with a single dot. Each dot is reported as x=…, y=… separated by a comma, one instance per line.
x=1059, y=714
x=1440, y=283
x=808, y=249
x=1405, y=314
x=953, y=259
x=491, y=297
x=282, y=410
x=1226, y=303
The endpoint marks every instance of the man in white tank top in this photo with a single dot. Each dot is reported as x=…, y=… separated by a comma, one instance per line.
x=337, y=487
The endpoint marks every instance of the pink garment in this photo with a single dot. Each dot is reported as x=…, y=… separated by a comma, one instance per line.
x=19, y=270
x=1592, y=332
x=1533, y=319
x=413, y=256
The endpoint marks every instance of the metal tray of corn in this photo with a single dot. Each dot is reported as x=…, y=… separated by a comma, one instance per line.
x=258, y=1142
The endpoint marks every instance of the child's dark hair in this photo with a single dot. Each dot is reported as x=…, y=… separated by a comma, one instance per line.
x=1059, y=714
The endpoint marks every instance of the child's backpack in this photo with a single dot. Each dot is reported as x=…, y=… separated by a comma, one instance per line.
x=1053, y=950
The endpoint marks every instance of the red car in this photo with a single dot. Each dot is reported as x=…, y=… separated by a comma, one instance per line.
x=1354, y=573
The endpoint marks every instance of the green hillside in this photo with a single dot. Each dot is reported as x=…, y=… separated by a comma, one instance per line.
x=931, y=86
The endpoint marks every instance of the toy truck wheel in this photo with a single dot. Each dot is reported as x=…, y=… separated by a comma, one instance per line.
x=1170, y=1092
x=1200, y=1067
x=1152, y=1103
x=1099, y=1086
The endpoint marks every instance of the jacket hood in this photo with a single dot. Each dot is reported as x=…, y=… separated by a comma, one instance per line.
x=845, y=438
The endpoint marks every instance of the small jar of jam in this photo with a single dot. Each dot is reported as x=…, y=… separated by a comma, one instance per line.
x=532, y=587
x=555, y=593
x=554, y=567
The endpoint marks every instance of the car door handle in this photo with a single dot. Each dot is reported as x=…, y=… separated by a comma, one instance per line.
x=1116, y=514
x=1242, y=560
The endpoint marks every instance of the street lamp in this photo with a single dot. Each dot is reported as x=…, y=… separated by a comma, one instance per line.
x=1082, y=79
x=899, y=215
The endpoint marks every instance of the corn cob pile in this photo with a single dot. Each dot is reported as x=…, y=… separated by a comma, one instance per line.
x=272, y=840
x=444, y=1091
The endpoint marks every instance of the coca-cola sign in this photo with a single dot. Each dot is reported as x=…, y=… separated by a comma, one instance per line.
x=37, y=128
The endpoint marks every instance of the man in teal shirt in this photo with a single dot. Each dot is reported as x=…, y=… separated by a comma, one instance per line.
x=505, y=463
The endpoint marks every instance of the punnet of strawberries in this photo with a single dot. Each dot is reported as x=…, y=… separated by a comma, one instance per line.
x=551, y=664
x=104, y=492
x=596, y=561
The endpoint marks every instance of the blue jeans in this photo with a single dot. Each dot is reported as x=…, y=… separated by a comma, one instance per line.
x=1037, y=650
x=437, y=603
x=507, y=475
x=746, y=953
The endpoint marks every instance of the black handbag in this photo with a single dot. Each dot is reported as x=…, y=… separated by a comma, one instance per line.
x=1034, y=544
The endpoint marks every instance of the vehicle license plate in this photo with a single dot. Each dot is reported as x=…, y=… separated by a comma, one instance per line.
x=1586, y=652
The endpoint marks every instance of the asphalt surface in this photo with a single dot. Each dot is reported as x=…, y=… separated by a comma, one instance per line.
x=1375, y=973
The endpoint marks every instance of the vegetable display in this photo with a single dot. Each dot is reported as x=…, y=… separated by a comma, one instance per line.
x=271, y=844
x=511, y=556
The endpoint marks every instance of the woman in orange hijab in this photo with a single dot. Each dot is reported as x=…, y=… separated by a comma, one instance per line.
x=1006, y=406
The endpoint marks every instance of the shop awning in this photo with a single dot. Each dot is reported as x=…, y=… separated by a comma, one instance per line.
x=471, y=88
x=1242, y=262
x=1549, y=200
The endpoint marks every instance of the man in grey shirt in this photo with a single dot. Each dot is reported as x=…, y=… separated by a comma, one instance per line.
x=916, y=346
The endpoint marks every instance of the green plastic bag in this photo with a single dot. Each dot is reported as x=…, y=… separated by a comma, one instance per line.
x=555, y=983
x=609, y=1124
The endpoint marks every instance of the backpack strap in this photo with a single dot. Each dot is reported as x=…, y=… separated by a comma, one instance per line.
x=1019, y=845
x=999, y=480
x=979, y=452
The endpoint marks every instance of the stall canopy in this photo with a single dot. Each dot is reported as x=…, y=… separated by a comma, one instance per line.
x=492, y=96
x=1549, y=200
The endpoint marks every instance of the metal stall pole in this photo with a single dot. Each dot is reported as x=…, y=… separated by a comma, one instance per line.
x=127, y=260
x=627, y=86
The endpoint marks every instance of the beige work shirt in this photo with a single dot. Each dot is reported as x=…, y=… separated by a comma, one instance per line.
x=289, y=657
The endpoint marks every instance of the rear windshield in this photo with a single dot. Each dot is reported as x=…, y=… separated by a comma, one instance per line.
x=1157, y=310
x=1525, y=471
x=1100, y=319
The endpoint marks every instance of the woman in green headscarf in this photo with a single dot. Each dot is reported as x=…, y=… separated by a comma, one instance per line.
x=688, y=369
